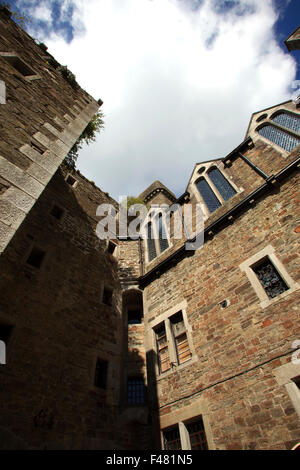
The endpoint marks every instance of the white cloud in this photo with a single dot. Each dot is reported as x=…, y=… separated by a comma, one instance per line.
x=178, y=85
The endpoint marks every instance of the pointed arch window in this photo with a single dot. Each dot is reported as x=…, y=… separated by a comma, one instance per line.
x=286, y=141
x=151, y=242
x=162, y=235
x=290, y=121
x=223, y=186
x=207, y=194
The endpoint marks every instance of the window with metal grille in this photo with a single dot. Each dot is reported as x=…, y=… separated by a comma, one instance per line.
x=208, y=196
x=279, y=137
x=223, y=186
x=269, y=278
x=162, y=235
x=151, y=243
x=101, y=373
x=135, y=391
x=290, y=121
x=197, y=435
x=162, y=349
x=180, y=338
x=172, y=439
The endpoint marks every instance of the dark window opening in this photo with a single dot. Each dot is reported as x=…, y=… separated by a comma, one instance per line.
x=57, y=212
x=5, y=332
x=172, y=439
x=135, y=391
x=36, y=257
x=296, y=380
x=19, y=65
x=111, y=247
x=70, y=180
x=269, y=278
x=197, y=435
x=107, y=296
x=101, y=374
x=151, y=243
x=134, y=317
x=37, y=147
x=162, y=235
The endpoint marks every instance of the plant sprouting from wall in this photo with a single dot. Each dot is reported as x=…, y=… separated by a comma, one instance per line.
x=87, y=136
x=19, y=18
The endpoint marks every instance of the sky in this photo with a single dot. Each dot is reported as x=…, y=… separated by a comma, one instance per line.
x=179, y=78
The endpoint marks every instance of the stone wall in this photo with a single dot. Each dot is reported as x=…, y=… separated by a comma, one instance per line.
x=42, y=118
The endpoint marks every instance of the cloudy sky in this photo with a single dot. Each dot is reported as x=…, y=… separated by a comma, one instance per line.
x=179, y=78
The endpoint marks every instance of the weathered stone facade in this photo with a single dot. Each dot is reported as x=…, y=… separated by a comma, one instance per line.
x=83, y=320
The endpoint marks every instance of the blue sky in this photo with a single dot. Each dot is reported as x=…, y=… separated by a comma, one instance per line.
x=179, y=78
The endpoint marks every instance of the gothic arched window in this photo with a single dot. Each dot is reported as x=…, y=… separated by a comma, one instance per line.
x=287, y=141
x=162, y=235
x=223, y=186
x=290, y=121
x=207, y=194
x=151, y=242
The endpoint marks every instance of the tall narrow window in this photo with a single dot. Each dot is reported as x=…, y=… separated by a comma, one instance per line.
x=208, y=196
x=172, y=439
x=279, y=137
x=151, y=242
x=162, y=349
x=101, y=374
x=135, y=391
x=197, y=435
x=162, y=236
x=223, y=186
x=290, y=121
x=269, y=278
x=180, y=338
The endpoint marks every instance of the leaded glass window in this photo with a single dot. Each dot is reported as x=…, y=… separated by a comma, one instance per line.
x=290, y=121
x=172, y=439
x=162, y=236
x=208, y=196
x=135, y=391
x=221, y=183
x=279, y=137
x=269, y=278
x=197, y=435
x=151, y=243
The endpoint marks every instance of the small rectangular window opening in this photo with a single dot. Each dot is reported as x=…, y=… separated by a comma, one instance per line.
x=19, y=65
x=111, y=247
x=269, y=278
x=57, y=212
x=134, y=317
x=71, y=181
x=36, y=257
x=5, y=332
x=107, y=296
x=296, y=380
x=101, y=374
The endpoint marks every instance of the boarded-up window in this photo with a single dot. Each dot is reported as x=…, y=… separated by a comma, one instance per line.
x=180, y=338
x=162, y=349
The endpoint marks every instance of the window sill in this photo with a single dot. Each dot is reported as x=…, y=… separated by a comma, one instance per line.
x=176, y=368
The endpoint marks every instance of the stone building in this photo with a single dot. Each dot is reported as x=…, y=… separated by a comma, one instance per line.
x=142, y=343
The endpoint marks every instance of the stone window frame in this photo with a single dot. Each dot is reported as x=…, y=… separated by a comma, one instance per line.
x=285, y=376
x=153, y=213
x=75, y=184
x=110, y=288
x=247, y=266
x=206, y=167
x=164, y=318
x=34, y=76
x=183, y=416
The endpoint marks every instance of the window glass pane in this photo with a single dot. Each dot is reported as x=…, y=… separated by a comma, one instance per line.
x=279, y=137
x=197, y=435
x=135, y=391
x=221, y=183
x=172, y=439
x=151, y=243
x=208, y=196
x=269, y=278
x=162, y=350
x=163, y=240
x=288, y=120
